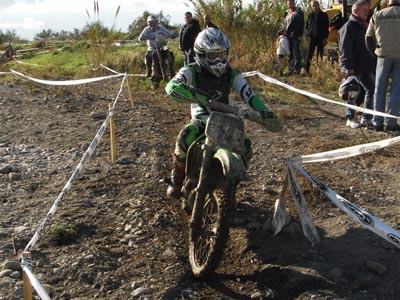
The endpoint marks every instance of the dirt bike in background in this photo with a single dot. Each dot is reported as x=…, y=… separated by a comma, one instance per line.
x=8, y=54
x=214, y=167
x=164, y=58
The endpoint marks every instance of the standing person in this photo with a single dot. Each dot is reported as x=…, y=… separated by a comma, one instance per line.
x=187, y=36
x=383, y=39
x=293, y=24
x=208, y=22
x=356, y=60
x=282, y=51
x=150, y=33
x=317, y=29
x=211, y=72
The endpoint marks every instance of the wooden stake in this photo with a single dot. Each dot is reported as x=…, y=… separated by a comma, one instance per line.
x=27, y=286
x=112, y=138
x=129, y=91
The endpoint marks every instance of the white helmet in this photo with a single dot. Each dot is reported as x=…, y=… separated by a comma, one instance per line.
x=212, y=50
x=152, y=20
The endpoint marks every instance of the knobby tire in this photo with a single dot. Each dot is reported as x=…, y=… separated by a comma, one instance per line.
x=209, y=236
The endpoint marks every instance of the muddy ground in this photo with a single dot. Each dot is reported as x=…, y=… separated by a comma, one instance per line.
x=115, y=235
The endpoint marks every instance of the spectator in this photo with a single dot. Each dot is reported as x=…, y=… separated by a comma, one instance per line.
x=356, y=60
x=317, y=29
x=293, y=24
x=382, y=38
x=282, y=51
x=208, y=22
x=9, y=51
x=187, y=36
x=152, y=33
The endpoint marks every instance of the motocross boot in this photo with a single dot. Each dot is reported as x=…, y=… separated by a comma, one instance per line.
x=177, y=177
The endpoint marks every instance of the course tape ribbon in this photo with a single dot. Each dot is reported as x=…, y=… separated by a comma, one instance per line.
x=359, y=215
x=315, y=96
x=67, y=82
x=33, y=280
x=24, y=63
x=346, y=152
x=115, y=72
x=77, y=170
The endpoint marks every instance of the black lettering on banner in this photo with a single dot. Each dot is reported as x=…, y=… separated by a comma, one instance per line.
x=363, y=217
x=394, y=238
x=319, y=184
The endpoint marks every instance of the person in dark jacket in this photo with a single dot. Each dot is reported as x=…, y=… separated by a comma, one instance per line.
x=187, y=36
x=293, y=24
x=208, y=22
x=355, y=59
x=317, y=29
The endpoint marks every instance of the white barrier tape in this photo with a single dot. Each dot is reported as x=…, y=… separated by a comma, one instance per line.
x=359, y=215
x=251, y=73
x=3, y=73
x=307, y=223
x=34, y=282
x=77, y=170
x=346, y=152
x=315, y=96
x=24, y=63
x=115, y=72
x=67, y=82
x=108, y=69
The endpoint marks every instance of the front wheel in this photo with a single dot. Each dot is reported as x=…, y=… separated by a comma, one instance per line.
x=209, y=229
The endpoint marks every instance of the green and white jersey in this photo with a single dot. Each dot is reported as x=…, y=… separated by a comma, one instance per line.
x=195, y=76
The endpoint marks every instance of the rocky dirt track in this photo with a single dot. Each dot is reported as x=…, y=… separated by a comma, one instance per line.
x=116, y=236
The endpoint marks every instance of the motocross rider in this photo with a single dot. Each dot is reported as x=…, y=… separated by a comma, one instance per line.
x=210, y=72
x=154, y=33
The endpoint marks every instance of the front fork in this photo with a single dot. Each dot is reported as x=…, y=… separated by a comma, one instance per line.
x=201, y=190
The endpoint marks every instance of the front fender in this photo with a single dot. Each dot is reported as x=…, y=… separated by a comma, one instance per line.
x=232, y=164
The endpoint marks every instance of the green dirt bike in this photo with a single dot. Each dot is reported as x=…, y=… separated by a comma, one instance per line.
x=214, y=167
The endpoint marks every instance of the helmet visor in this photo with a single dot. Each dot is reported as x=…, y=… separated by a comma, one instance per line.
x=219, y=54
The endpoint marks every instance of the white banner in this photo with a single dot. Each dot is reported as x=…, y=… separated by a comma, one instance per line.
x=67, y=82
x=315, y=96
x=346, y=152
x=359, y=215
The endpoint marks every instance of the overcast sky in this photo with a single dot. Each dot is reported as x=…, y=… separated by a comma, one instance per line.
x=29, y=17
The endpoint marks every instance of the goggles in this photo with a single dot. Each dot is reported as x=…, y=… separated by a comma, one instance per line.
x=219, y=54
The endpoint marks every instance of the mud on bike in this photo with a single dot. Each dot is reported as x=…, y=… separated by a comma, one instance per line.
x=214, y=167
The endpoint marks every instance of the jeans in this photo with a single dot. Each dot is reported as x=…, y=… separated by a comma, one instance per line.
x=295, y=53
x=314, y=42
x=367, y=83
x=387, y=68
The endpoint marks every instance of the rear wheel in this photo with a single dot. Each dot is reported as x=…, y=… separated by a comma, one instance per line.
x=210, y=230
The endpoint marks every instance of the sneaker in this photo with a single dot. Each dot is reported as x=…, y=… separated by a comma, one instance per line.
x=395, y=127
x=352, y=123
x=366, y=122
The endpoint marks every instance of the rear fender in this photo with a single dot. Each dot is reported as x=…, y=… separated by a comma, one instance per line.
x=233, y=165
